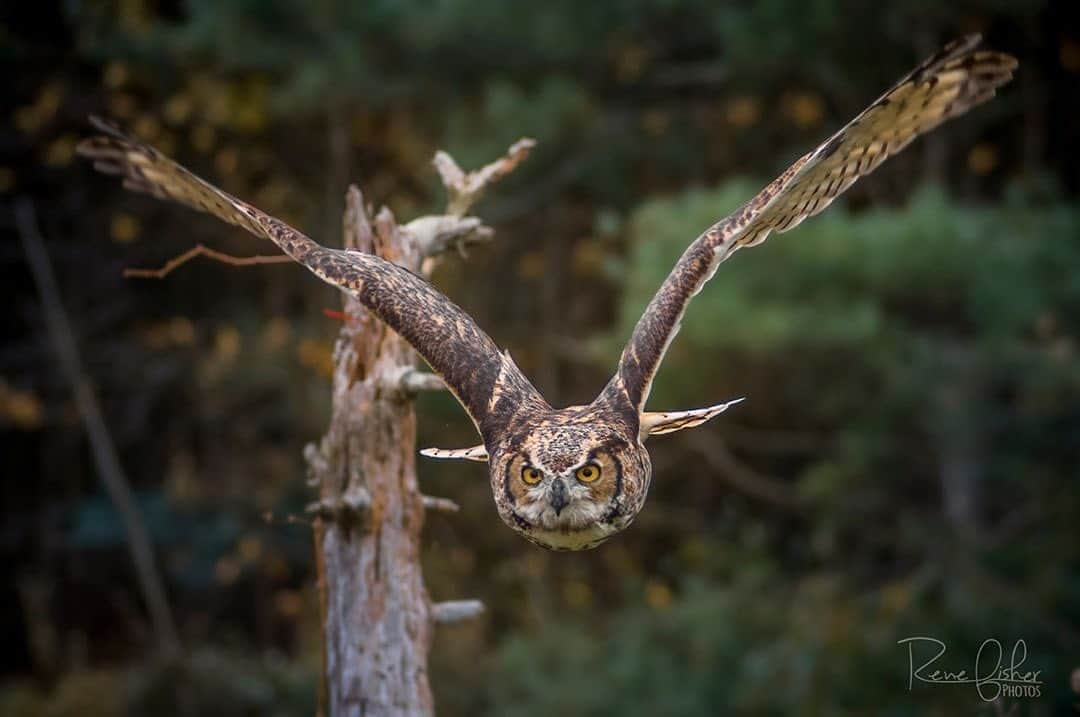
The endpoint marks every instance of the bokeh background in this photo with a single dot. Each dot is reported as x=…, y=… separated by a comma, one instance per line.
x=906, y=462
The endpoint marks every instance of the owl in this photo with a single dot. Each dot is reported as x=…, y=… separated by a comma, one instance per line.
x=570, y=478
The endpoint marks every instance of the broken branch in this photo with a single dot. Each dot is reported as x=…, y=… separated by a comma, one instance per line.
x=413, y=382
x=452, y=611
x=202, y=250
x=435, y=234
x=355, y=503
x=443, y=505
x=464, y=189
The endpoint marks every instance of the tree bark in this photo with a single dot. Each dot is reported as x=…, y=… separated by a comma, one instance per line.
x=376, y=615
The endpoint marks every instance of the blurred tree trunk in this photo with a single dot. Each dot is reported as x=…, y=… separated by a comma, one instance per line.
x=961, y=444
x=376, y=613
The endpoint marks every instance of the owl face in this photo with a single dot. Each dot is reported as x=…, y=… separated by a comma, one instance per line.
x=568, y=483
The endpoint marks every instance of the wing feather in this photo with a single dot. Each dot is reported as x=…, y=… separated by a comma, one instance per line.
x=484, y=379
x=946, y=85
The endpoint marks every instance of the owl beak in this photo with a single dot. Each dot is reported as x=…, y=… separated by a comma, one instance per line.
x=560, y=498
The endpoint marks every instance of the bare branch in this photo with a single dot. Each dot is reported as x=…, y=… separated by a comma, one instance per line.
x=452, y=611
x=443, y=505
x=436, y=233
x=741, y=476
x=355, y=503
x=202, y=250
x=101, y=443
x=464, y=189
x=452, y=176
x=357, y=222
x=317, y=462
x=413, y=382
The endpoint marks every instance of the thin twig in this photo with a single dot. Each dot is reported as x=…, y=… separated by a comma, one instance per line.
x=202, y=250
x=101, y=443
x=741, y=476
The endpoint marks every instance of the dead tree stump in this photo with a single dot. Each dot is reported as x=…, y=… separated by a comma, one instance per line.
x=377, y=617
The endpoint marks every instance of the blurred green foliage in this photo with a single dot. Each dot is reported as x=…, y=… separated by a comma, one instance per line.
x=894, y=311
x=905, y=463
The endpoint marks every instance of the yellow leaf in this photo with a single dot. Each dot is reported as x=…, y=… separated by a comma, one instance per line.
x=181, y=331
x=21, y=409
x=587, y=258
x=115, y=75
x=276, y=334
x=803, y=109
x=316, y=355
x=250, y=548
x=288, y=603
x=895, y=598
x=203, y=137
x=122, y=105
x=226, y=161
x=124, y=228
x=531, y=265
x=147, y=128
x=227, y=344
x=983, y=158
x=657, y=595
x=741, y=112
x=60, y=151
x=31, y=117
x=178, y=108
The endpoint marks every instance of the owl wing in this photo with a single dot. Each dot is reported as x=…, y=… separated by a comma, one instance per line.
x=948, y=84
x=484, y=379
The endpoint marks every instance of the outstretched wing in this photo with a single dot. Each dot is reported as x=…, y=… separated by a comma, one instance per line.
x=484, y=379
x=948, y=84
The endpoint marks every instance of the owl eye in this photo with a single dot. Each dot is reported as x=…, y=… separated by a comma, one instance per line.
x=531, y=475
x=588, y=473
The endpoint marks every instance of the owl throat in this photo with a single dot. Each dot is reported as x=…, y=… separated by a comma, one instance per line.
x=584, y=538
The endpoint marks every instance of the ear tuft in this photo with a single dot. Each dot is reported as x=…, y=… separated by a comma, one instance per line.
x=657, y=423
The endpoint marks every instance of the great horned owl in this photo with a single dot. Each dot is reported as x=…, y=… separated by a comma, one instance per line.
x=569, y=478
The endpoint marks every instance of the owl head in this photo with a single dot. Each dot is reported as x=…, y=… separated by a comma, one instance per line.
x=570, y=480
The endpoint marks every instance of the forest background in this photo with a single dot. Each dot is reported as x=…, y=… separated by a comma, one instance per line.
x=906, y=461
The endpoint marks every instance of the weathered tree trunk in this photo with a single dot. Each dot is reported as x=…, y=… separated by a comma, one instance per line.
x=376, y=614
x=377, y=618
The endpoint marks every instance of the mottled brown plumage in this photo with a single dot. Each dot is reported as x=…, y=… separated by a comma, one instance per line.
x=568, y=479
x=945, y=85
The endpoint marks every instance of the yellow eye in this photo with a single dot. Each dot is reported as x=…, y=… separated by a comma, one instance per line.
x=588, y=473
x=531, y=475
